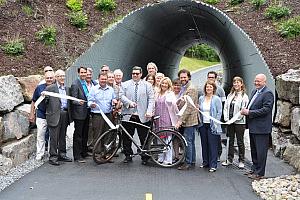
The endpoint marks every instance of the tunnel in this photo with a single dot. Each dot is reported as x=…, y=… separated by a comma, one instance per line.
x=162, y=32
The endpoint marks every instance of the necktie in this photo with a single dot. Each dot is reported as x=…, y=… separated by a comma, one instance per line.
x=135, y=96
x=253, y=98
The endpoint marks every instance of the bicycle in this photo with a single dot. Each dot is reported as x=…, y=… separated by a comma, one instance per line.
x=108, y=143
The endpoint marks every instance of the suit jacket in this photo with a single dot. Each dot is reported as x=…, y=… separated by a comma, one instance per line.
x=190, y=116
x=145, y=99
x=78, y=111
x=53, y=106
x=259, y=120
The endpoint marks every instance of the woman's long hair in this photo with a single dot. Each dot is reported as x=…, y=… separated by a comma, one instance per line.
x=243, y=88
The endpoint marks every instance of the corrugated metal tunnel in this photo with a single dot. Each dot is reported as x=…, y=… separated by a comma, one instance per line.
x=162, y=32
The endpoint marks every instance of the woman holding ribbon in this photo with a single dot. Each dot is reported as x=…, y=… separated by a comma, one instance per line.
x=166, y=108
x=236, y=100
x=210, y=106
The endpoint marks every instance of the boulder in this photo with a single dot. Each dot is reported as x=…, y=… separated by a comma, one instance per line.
x=10, y=93
x=292, y=155
x=19, y=151
x=28, y=85
x=283, y=116
x=15, y=124
x=287, y=86
x=1, y=130
x=295, y=121
x=5, y=164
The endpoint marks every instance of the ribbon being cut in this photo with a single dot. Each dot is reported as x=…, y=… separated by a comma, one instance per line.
x=53, y=94
x=189, y=99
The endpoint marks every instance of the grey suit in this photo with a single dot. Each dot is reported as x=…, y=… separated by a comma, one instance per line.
x=145, y=104
x=57, y=120
x=81, y=115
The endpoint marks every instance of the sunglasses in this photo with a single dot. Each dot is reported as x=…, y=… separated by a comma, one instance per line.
x=135, y=73
x=50, y=70
x=104, y=70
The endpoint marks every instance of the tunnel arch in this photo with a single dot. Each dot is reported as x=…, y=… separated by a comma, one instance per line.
x=162, y=32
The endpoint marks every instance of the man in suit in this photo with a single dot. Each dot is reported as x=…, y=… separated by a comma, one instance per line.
x=137, y=96
x=81, y=116
x=58, y=118
x=189, y=119
x=259, y=121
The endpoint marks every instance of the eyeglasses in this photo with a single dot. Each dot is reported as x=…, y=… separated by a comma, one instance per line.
x=104, y=70
x=133, y=73
x=211, y=77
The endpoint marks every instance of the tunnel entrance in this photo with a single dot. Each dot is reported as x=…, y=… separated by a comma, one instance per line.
x=162, y=32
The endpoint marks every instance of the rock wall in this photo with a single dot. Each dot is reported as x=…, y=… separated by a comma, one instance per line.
x=17, y=142
x=286, y=131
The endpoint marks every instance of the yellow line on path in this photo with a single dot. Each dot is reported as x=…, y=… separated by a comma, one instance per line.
x=148, y=196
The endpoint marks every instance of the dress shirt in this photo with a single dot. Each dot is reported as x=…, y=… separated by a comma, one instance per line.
x=102, y=97
x=64, y=102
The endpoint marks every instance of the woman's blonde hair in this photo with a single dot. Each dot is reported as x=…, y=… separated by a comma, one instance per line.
x=243, y=88
x=169, y=82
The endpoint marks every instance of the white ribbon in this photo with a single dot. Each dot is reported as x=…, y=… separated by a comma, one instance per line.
x=110, y=124
x=189, y=99
x=53, y=94
x=61, y=96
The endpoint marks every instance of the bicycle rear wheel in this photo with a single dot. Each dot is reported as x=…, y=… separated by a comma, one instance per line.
x=169, y=150
x=106, y=146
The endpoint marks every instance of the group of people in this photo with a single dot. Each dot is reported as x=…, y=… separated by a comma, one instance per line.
x=155, y=94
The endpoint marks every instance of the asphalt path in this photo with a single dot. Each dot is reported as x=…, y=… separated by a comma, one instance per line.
x=199, y=77
x=119, y=181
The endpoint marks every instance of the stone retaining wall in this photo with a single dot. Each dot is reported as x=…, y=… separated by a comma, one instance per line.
x=286, y=129
x=17, y=142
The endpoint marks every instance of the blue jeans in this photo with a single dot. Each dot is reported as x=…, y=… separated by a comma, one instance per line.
x=189, y=134
x=209, y=144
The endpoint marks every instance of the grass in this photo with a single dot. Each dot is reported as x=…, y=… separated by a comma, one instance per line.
x=193, y=64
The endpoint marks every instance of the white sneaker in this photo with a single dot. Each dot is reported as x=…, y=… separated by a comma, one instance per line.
x=38, y=158
x=226, y=163
x=241, y=165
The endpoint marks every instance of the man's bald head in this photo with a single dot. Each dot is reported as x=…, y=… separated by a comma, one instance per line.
x=260, y=81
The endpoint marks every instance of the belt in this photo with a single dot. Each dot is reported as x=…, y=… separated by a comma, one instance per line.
x=64, y=109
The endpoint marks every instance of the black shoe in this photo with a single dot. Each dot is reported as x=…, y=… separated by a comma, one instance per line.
x=184, y=167
x=127, y=159
x=53, y=162
x=65, y=159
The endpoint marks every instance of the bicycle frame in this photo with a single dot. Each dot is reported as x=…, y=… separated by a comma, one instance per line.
x=140, y=149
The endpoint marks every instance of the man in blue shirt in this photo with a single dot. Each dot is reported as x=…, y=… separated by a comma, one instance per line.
x=40, y=115
x=101, y=97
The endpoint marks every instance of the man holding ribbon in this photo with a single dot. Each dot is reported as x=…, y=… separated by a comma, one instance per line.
x=100, y=99
x=190, y=118
x=259, y=121
x=80, y=114
x=58, y=118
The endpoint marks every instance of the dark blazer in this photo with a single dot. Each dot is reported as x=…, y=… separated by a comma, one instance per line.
x=78, y=111
x=53, y=106
x=259, y=120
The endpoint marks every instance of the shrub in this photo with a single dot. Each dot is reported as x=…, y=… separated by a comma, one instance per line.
x=47, y=35
x=258, y=3
x=290, y=28
x=78, y=19
x=235, y=2
x=14, y=46
x=74, y=5
x=2, y=2
x=105, y=5
x=211, y=2
x=202, y=52
x=277, y=12
x=27, y=10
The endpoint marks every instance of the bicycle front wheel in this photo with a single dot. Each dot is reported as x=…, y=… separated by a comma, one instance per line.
x=106, y=146
x=167, y=148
